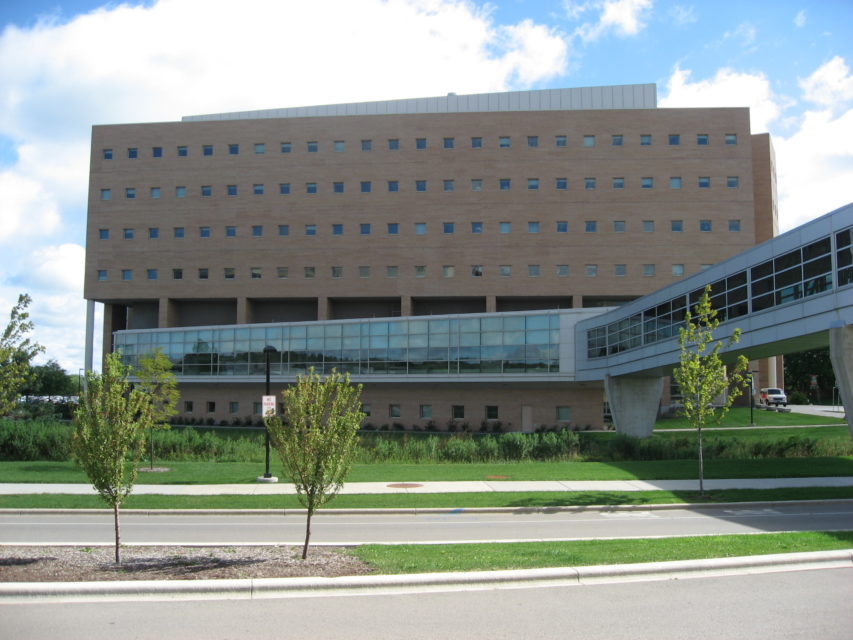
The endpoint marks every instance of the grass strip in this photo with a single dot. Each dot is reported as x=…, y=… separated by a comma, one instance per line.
x=430, y=500
x=530, y=555
x=739, y=417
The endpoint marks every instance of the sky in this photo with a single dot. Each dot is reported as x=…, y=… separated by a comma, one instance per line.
x=67, y=65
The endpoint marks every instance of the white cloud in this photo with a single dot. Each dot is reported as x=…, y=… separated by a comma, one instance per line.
x=55, y=268
x=28, y=208
x=830, y=86
x=800, y=19
x=745, y=32
x=623, y=17
x=683, y=15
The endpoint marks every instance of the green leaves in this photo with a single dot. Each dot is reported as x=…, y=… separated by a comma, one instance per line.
x=16, y=351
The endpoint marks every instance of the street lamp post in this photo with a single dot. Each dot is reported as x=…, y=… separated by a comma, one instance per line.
x=267, y=477
x=752, y=397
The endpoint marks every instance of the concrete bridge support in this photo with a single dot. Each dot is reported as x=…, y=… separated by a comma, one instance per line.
x=634, y=402
x=841, y=355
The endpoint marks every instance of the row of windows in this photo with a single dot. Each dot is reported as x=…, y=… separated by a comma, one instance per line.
x=393, y=186
x=420, y=228
x=393, y=271
x=448, y=142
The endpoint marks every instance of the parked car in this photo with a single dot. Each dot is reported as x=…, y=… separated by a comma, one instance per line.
x=772, y=395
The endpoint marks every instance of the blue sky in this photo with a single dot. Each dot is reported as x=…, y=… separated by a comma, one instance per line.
x=67, y=65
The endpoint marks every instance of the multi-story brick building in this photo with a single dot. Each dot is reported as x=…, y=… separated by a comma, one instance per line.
x=483, y=205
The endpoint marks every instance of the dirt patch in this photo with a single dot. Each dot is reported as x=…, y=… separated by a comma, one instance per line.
x=84, y=564
x=153, y=470
x=497, y=477
x=405, y=485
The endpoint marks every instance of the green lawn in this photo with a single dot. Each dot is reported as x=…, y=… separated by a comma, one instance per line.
x=529, y=555
x=739, y=417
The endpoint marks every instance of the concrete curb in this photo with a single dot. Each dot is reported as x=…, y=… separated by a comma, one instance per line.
x=437, y=510
x=251, y=589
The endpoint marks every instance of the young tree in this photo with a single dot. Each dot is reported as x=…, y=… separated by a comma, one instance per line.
x=702, y=375
x=109, y=434
x=16, y=351
x=157, y=380
x=317, y=437
x=50, y=379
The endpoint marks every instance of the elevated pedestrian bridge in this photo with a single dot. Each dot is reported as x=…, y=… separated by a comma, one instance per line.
x=791, y=293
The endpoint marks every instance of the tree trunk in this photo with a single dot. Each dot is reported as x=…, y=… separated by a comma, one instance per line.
x=701, y=466
x=307, y=532
x=118, y=533
x=151, y=442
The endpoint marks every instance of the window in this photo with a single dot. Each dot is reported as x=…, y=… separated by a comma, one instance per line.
x=281, y=273
x=364, y=228
x=505, y=270
x=476, y=227
x=337, y=229
x=311, y=146
x=127, y=274
x=393, y=410
x=311, y=187
x=532, y=141
x=505, y=227
x=183, y=152
x=233, y=149
x=364, y=272
x=420, y=143
x=228, y=273
x=645, y=139
x=675, y=182
x=678, y=270
x=337, y=272
x=420, y=271
x=619, y=226
x=106, y=194
x=591, y=270
x=476, y=143
x=156, y=152
x=260, y=148
x=647, y=183
x=674, y=139
x=155, y=192
x=365, y=186
x=102, y=275
x=731, y=138
x=448, y=185
x=618, y=183
x=153, y=233
x=393, y=144
x=504, y=142
x=648, y=270
x=285, y=147
x=177, y=274
x=207, y=150
x=448, y=227
x=420, y=228
x=258, y=189
x=477, y=270
x=564, y=414
x=491, y=412
x=206, y=191
x=457, y=412
x=204, y=232
x=704, y=225
x=734, y=225
x=561, y=183
x=476, y=184
x=562, y=270
x=130, y=193
x=179, y=232
x=589, y=141
x=233, y=408
x=103, y=234
x=676, y=226
x=284, y=188
x=620, y=270
x=425, y=411
x=648, y=226
x=393, y=186
x=309, y=272
x=367, y=145
x=562, y=226
x=392, y=271
x=284, y=229
x=107, y=154
x=533, y=271
x=257, y=231
x=702, y=139
x=338, y=145
x=589, y=184
x=202, y=273
x=366, y=409
x=533, y=227
x=188, y=406
x=211, y=407
x=133, y=153
x=393, y=229
x=732, y=182
x=560, y=141
x=704, y=182
x=420, y=185
x=127, y=234
x=310, y=229
x=533, y=184
x=590, y=226
x=448, y=271
x=448, y=143
x=616, y=140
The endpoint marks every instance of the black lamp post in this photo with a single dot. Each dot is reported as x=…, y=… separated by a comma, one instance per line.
x=267, y=351
x=751, y=397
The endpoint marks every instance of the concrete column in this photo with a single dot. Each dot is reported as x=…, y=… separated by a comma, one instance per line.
x=166, y=313
x=841, y=355
x=405, y=305
x=322, y=308
x=634, y=403
x=577, y=302
x=244, y=311
x=491, y=304
x=89, y=347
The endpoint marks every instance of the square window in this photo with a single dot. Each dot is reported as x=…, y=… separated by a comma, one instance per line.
x=561, y=184
x=107, y=154
x=130, y=193
x=231, y=189
x=618, y=183
x=106, y=194
x=562, y=226
x=228, y=273
x=258, y=189
x=676, y=225
x=338, y=145
x=155, y=192
x=705, y=225
x=153, y=233
x=103, y=234
x=207, y=150
x=206, y=191
x=281, y=273
x=309, y=272
x=188, y=406
x=420, y=143
x=504, y=184
x=619, y=226
x=648, y=270
x=312, y=146
x=505, y=227
x=448, y=227
x=310, y=229
x=233, y=149
x=704, y=182
x=311, y=187
x=732, y=182
x=476, y=184
x=127, y=234
x=425, y=411
x=284, y=229
x=127, y=274
x=561, y=141
x=257, y=231
x=204, y=232
x=230, y=232
x=367, y=145
x=364, y=272
x=284, y=188
x=448, y=185
x=133, y=153
x=505, y=270
x=177, y=274
x=491, y=412
x=392, y=271
x=233, y=408
x=393, y=186
x=533, y=227
x=179, y=232
x=457, y=412
x=648, y=226
x=420, y=185
x=285, y=147
x=476, y=143
x=420, y=228
x=645, y=139
x=393, y=229
x=476, y=227
x=337, y=272
x=211, y=407
x=674, y=139
x=533, y=184
x=365, y=186
x=702, y=139
x=183, y=152
x=562, y=270
x=532, y=141
x=734, y=225
x=504, y=142
x=337, y=229
x=202, y=274
x=647, y=183
x=678, y=270
x=590, y=226
x=448, y=143
x=477, y=270
x=620, y=269
x=260, y=148
x=420, y=271
x=589, y=141
x=156, y=152
x=564, y=414
x=393, y=410
x=533, y=271
x=616, y=140
x=448, y=271
x=102, y=275
x=591, y=270
x=364, y=228
x=589, y=184
x=393, y=144
x=675, y=182
x=731, y=138
x=366, y=409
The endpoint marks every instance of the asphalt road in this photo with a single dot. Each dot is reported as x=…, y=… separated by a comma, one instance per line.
x=792, y=605
x=453, y=526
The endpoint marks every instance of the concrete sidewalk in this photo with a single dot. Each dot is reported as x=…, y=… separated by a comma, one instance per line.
x=494, y=486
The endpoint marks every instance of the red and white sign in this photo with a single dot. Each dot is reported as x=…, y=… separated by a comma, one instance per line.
x=268, y=404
